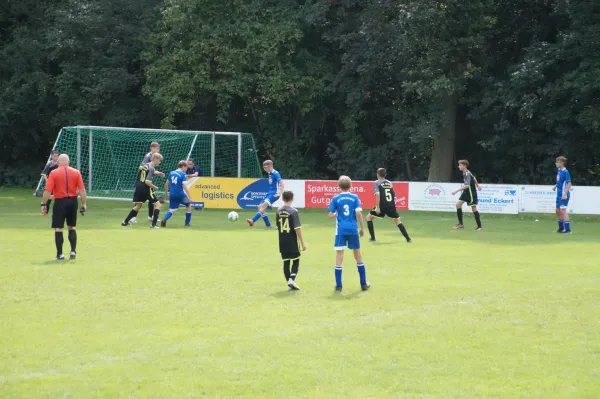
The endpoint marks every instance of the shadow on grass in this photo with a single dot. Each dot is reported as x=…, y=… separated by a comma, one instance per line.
x=341, y=296
x=285, y=294
x=53, y=262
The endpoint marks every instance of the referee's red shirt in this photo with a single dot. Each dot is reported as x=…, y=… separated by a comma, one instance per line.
x=64, y=182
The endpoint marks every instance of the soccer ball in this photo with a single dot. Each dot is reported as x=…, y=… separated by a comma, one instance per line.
x=233, y=216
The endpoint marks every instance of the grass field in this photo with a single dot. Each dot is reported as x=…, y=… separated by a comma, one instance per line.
x=511, y=312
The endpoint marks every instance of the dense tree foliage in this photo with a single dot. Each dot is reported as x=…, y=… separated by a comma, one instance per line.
x=327, y=87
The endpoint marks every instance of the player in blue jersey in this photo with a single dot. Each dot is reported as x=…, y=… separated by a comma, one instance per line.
x=178, y=193
x=563, y=195
x=345, y=207
x=276, y=187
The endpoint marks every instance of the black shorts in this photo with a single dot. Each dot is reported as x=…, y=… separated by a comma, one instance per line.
x=65, y=209
x=293, y=255
x=390, y=212
x=289, y=250
x=469, y=197
x=144, y=193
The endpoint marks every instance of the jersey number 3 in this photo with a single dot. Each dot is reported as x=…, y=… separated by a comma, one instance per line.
x=346, y=210
x=284, y=225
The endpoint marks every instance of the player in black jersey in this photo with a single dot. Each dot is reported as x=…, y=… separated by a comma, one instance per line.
x=468, y=194
x=154, y=148
x=290, y=238
x=386, y=205
x=50, y=166
x=144, y=191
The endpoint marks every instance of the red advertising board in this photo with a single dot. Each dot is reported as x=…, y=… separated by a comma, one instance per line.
x=318, y=193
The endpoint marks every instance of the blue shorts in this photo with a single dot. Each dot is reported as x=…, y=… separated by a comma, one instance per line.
x=270, y=199
x=175, y=201
x=343, y=241
x=561, y=203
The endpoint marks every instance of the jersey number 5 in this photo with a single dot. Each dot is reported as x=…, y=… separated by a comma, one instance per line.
x=388, y=195
x=284, y=225
x=174, y=179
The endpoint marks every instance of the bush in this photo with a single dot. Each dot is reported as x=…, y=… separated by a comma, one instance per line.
x=19, y=175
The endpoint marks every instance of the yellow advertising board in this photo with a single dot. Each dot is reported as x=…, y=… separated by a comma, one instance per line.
x=227, y=193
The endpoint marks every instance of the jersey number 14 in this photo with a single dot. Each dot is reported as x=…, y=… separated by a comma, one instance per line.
x=284, y=225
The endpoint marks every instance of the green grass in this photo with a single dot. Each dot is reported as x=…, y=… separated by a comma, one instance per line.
x=513, y=311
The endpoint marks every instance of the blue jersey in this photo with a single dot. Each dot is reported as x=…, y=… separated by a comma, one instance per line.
x=176, y=179
x=345, y=205
x=274, y=179
x=562, y=179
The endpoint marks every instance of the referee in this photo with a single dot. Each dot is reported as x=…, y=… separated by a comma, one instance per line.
x=64, y=182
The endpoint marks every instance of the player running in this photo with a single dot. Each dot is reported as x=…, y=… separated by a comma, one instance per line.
x=345, y=207
x=386, y=205
x=50, y=166
x=468, y=194
x=144, y=191
x=154, y=147
x=178, y=193
x=290, y=238
x=276, y=186
x=563, y=195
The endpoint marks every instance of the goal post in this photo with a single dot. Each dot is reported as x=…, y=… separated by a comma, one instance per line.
x=109, y=157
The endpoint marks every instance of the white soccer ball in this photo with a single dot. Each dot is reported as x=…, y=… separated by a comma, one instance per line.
x=233, y=216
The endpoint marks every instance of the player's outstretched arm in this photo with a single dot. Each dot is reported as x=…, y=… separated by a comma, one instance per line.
x=150, y=184
x=331, y=215
x=187, y=190
x=361, y=222
x=167, y=188
x=281, y=188
x=301, y=238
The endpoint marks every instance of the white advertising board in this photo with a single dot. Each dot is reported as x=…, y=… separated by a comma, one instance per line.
x=585, y=200
x=297, y=186
x=540, y=199
x=432, y=196
x=499, y=198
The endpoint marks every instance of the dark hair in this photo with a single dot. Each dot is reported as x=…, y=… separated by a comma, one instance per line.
x=182, y=164
x=154, y=144
x=190, y=160
x=381, y=172
x=561, y=159
x=464, y=162
x=55, y=151
x=287, y=195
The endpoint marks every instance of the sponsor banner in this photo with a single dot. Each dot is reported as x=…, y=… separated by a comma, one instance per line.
x=234, y=193
x=586, y=202
x=297, y=186
x=498, y=198
x=540, y=199
x=318, y=193
x=217, y=192
x=432, y=196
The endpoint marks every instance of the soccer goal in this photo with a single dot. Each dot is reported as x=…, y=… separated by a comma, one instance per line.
x=109, y=157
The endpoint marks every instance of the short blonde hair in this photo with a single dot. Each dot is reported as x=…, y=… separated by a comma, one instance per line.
x=268, y=162
x=157, y=155
x=344, y=183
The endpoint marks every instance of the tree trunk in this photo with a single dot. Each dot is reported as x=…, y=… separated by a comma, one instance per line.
x=442, y=154
x=409, y=174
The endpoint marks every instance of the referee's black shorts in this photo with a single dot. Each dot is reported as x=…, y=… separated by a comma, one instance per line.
x=65, y=209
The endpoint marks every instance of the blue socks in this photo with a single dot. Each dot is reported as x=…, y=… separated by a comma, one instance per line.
x=264, y=216
x=362, y=273
x=567, y=225
x=338, y=276
x=266, y=219
x=188, y=218
x=167, y=216
x=561, y=225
